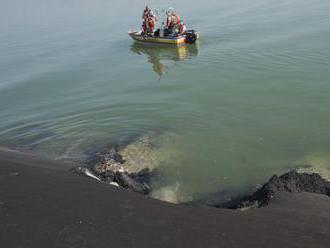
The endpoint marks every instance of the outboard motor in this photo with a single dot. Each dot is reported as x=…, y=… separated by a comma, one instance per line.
x=191, y=36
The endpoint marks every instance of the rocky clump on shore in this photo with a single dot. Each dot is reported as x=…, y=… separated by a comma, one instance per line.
x=110, y=160
x=109, y=167
x=291, y=181
x=131, y=165
x=137, y=182
x=150, y=150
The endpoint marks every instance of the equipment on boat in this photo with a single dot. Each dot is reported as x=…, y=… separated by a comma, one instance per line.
x=191, y=36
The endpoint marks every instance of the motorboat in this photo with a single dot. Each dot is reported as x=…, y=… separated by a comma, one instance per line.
x=189, y=37
x=173, y=31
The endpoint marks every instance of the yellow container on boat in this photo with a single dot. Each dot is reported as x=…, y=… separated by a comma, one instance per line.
x=136, y=35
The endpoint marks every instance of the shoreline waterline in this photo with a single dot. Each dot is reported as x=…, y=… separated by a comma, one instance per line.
x=136, y=160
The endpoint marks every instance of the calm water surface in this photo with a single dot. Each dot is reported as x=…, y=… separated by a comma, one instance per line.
x=250, y=99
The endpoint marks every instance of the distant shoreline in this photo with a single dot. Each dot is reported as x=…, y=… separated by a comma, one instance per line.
x=44, y=205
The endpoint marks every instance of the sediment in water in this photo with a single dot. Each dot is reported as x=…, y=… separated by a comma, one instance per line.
x=110, y=170
x=136, y=164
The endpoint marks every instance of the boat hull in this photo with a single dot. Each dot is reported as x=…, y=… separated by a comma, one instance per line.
x=160, y=40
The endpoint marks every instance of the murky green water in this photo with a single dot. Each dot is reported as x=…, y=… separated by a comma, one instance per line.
x=250, y=99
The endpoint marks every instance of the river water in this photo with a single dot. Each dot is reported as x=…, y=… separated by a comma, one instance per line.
x=250, y=99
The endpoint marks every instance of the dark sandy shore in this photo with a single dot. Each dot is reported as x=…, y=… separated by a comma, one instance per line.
x=44, y=205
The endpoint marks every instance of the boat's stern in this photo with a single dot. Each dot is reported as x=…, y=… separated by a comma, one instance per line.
x=192, y=36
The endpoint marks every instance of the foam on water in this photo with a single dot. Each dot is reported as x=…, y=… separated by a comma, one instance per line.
x=171, y=193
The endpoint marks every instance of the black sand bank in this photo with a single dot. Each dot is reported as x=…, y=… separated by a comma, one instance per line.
x=44, y=205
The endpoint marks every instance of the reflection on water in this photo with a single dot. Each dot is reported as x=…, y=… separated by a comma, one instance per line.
x=158, y=54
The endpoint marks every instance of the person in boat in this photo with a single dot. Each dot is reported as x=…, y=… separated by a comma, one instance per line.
x=146, y=12
x=172, y=22
x=145, y=15
x=149, y=21
x=151, y=24
x=148, y=25
x=182, y=28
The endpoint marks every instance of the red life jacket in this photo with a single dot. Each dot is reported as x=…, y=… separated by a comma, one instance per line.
x=151, y=23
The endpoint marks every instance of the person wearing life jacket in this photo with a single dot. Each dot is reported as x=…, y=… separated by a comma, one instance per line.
x=176, y=19
x=151, y=24
x=146, y=12
x=169, y=22
x=172, y=22
x=149, y=20
x=145, y=15
x=182, y=28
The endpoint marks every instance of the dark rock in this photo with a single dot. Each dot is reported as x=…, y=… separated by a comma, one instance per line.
x=137, y=182
x=114, y=154
x=126, y=181
x=101, y=161
x=108, y=176
x=109, y=173
x=111, y=154
x=291, y=181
